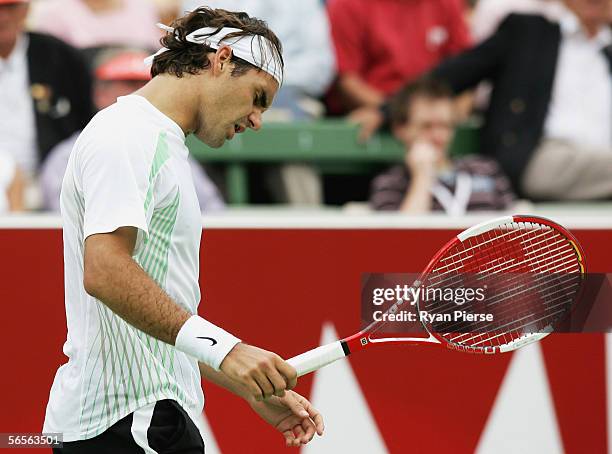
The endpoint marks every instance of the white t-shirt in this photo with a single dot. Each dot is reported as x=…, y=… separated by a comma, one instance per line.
x=128, y=168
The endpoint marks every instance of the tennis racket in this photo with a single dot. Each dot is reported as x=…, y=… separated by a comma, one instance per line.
x=536, y=267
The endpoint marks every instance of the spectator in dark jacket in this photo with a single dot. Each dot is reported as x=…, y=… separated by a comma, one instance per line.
x=45, y=90
x=549, y=121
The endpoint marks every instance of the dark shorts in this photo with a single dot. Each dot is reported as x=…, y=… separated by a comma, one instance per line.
x=163, y=427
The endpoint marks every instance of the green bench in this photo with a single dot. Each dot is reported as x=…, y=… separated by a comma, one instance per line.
x=329, y=144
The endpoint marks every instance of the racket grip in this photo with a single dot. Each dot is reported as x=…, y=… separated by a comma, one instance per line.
x=317, y=358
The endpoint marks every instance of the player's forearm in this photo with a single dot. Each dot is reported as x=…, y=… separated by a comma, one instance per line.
x=112, y=276
x=122, y=285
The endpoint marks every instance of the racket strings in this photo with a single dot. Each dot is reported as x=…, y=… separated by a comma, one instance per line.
x=516, y=319
x=538, y=272
x=551, y=299
x=510, y=279
x=551, y=296
x=538, y=281
x=457, y=260
x=453, y=258
x=457, y=278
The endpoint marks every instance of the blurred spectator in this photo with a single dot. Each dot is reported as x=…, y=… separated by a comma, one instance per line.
x=168, y=10
x=118, y=72
x=488, y=14
x=45, y=91
x=470, y=7
x=303, y=28
x=549, y=122
x=98, y=23
x=423, y=120
x=382, y=44
x=485, y=19
x=11, y=185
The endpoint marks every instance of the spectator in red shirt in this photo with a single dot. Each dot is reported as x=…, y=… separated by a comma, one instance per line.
x=382, y=44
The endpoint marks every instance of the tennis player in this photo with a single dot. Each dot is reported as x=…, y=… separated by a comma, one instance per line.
x=132, y=228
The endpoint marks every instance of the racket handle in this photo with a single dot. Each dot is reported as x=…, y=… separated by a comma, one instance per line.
x=317, y=358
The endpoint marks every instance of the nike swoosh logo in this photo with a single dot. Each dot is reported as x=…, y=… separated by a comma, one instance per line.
x=212, y=341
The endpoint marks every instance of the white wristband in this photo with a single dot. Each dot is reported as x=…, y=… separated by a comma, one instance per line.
x=204, y=341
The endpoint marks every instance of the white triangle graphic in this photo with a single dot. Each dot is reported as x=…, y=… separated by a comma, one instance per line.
x=523, y=418
x=609, y=387
x=210, y=443
x=349, y=425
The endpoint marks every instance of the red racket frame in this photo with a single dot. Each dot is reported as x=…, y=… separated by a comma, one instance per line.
x=316, y=358
x=364, y=339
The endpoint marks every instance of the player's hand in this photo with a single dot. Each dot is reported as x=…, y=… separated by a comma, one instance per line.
x=369, y=120
x=293, y=416
x=261, y=372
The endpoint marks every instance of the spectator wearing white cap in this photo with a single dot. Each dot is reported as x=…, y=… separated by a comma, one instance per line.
x=118, y=72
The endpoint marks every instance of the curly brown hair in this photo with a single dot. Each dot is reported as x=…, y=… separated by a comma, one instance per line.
x=426, y=87
x=183, y=56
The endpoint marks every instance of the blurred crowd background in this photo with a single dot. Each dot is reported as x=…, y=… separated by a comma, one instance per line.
x=529, y=80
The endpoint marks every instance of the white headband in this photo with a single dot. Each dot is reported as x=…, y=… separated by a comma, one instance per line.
x=255, y=49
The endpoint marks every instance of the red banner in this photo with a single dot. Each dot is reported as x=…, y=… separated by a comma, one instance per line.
x=283, y=290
